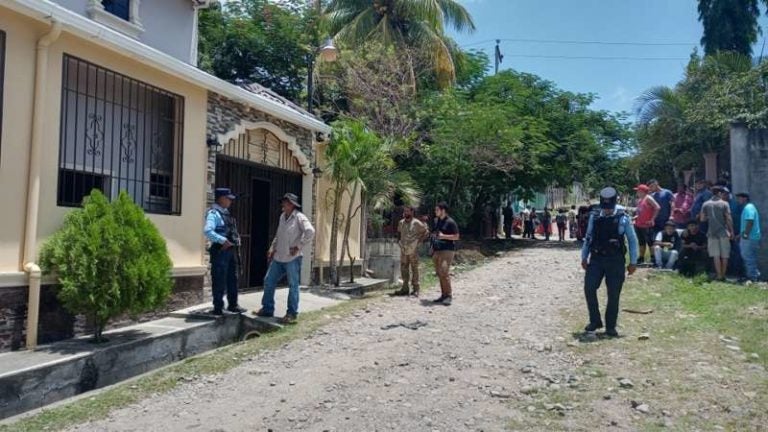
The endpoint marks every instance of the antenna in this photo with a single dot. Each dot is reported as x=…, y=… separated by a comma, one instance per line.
x=498, y=57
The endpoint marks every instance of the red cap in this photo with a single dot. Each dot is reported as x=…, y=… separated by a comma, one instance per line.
x=643, y=188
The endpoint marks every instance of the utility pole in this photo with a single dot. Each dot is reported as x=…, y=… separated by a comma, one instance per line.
x=498, y=56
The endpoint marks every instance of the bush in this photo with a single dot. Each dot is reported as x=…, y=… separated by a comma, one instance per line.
x=109, y=259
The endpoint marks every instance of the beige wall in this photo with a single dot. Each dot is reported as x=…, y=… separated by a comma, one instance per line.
x=182, y=233
x=325, y=215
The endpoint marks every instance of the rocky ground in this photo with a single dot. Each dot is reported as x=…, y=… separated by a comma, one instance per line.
x=504, y=356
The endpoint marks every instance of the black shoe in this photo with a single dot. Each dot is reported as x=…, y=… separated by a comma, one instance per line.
x=236, y=309
x=591, y=327
x=612, y=333
x=399, y=293
x=217, y=312
x=447, y=301
x=264, y=314
x=415, y=293
x=439, y=300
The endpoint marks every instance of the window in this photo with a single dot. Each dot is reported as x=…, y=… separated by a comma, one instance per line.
x=121, y=15
x=118, y=8
x=2, y=82
x=119, y=134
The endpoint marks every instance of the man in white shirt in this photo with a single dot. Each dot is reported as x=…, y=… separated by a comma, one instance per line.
x=294, y=233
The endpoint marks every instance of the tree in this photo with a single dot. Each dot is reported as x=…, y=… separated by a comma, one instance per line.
x=109, y=259
x=413, y=24
x=257, y=41
x=729, y=25
x=361, y=169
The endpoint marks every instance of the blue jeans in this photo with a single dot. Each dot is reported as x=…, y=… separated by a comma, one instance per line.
x=223, y=277
x=749, y=249
x=276, y=272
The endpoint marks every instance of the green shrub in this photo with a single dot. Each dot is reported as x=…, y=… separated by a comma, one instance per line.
x=109, y=259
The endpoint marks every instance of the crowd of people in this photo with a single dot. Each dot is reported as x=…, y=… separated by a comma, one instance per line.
x=707, y=230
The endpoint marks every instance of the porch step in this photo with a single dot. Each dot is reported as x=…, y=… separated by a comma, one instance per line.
x=361, y=286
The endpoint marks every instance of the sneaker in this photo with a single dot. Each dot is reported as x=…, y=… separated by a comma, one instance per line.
x=591, y=327
x=447, y=301
x=612, y=333
x=399, y=293
x=217, y=312
x=236, y=309
x=264, y=314
x=288, y=319
x=439, y=300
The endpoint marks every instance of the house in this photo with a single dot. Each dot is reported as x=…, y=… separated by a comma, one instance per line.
x=105, y=94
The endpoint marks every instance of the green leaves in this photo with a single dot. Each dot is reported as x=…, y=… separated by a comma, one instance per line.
x=109, y=259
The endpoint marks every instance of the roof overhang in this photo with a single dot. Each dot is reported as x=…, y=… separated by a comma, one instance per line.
x=47, y=11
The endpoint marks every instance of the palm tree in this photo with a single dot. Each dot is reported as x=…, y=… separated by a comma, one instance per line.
x=407, y=24
x=360, y=165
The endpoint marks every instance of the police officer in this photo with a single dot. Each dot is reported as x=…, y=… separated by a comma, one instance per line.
x=221, y=231
x=602, y=256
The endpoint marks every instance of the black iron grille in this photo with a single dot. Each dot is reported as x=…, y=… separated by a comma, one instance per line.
x=118, y=133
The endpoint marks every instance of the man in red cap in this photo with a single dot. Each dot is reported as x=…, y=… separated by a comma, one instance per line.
x=647, y=210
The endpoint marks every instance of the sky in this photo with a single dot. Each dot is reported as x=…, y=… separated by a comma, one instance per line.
x=616, y=82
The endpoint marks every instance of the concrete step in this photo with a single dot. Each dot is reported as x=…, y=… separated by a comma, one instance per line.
x=360, y=287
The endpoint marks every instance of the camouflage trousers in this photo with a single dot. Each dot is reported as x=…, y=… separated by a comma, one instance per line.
x=409, y=269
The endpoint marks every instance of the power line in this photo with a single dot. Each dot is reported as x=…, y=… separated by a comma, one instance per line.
x=583, y=42
x=596, y=57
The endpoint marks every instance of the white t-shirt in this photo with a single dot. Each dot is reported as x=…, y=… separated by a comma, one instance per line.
x=526, y=215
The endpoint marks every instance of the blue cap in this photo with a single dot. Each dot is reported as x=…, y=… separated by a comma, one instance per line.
x=608, y=198
x=224, y=192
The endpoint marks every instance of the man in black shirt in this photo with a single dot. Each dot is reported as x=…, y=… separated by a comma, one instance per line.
x=445, y=234
x=693, y=257
x=666, y=246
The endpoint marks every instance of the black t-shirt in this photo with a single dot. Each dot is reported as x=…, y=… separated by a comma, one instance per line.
x=699, y=238
x=446, y=226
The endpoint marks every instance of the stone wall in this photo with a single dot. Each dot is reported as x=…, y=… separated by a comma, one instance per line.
x=58, y=324
x=749, y=171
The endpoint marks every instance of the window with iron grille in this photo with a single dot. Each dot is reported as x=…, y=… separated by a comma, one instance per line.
x=118, y=133
x=2, y=83
x=118, y=8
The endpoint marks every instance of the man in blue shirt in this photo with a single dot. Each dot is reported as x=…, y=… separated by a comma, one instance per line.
x=749, y=236
x=664, y=197
x=602, y=256
x=703, y=194
x=221, y=230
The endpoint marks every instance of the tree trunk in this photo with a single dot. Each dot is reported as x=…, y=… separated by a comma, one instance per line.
x=348, y=223
x=334, y=241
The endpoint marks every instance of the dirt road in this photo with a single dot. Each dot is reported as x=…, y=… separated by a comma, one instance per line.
x=502, y=357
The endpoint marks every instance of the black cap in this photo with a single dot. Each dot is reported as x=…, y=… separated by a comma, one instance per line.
x=608, y=198
x=224, y=192
x=291, y=198
x=670, y=223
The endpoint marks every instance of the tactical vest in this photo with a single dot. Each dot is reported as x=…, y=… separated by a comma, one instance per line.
x=229, y=228
x=606, y=239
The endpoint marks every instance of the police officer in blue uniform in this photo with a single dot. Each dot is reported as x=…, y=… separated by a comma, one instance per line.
x=221, y=230
x=603, y=257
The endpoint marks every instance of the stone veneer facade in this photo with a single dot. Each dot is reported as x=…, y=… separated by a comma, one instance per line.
x=224, y=115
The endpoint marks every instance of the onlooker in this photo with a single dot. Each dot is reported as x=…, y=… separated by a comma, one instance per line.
x=666, y=246
x=681, y=206
x=534, y=222
x=509, y=216
x=546, y=223
x=647, y=210
x=717, y=213
x=411, y=233
x=664, y=198
x=527, y=223
x=749, y=236
x=703, y=194
x=294, y=233
x=444, y=237
x=736, y=263
x=693, y=258
x=561, y=220
x=572, y=223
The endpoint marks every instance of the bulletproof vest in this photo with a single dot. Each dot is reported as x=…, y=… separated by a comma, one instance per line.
x=229, y=229
x=606, y=239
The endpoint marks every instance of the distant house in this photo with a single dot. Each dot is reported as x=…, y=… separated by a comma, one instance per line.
x=105, y=94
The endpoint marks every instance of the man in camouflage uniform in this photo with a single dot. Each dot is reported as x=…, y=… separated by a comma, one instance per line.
x=411, y=232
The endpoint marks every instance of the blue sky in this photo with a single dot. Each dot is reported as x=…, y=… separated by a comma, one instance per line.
x=616, y=82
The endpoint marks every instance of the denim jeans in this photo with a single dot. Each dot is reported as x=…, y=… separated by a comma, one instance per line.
x=276, y=272
x=610, y=268
x=749, y=249
x=223, y=277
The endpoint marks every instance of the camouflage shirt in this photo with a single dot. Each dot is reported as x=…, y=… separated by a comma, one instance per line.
x=411, y=234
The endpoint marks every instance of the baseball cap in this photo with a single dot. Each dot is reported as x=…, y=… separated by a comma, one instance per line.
x=643, y=188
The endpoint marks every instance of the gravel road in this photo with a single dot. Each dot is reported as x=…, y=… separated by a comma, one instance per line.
x=468, y=367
